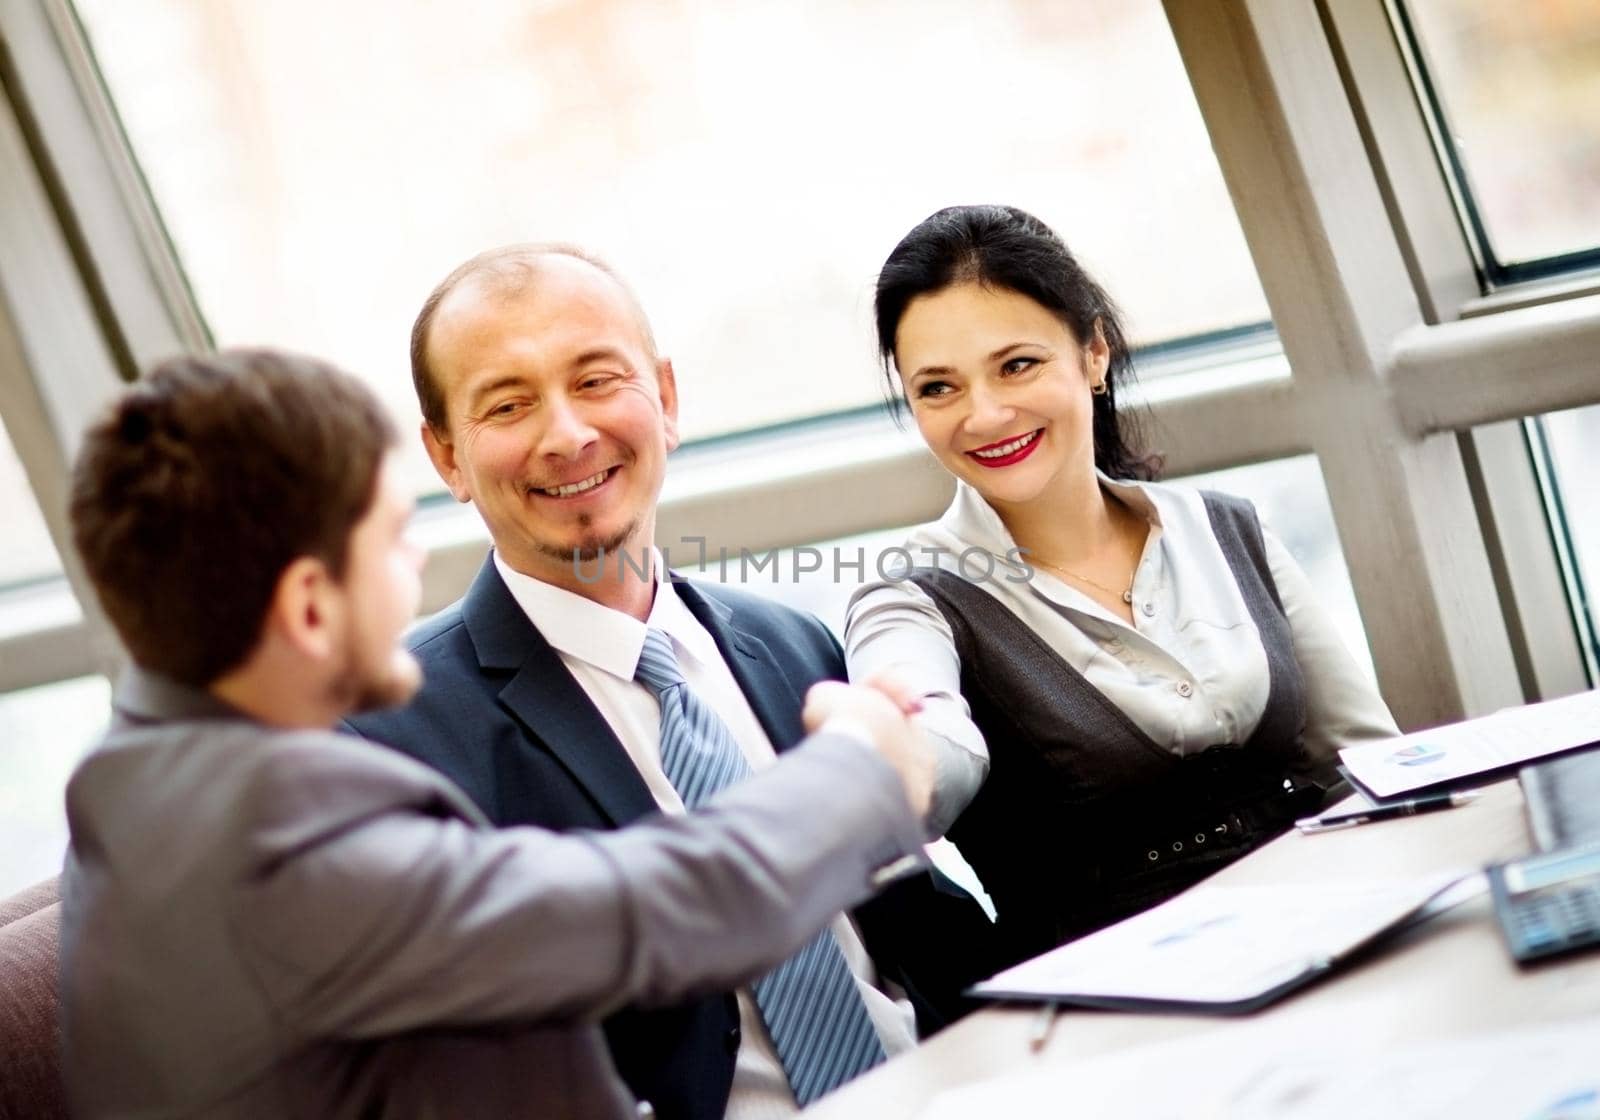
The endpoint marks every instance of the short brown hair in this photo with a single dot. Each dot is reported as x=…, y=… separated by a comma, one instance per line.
x=204, y=481
x=509, y=270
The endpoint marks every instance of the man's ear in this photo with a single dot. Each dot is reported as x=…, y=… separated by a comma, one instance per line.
x=667, y=384
x=442, y=451
x=304, y=608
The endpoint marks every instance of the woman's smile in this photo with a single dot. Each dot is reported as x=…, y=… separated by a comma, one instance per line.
x=1008, y=451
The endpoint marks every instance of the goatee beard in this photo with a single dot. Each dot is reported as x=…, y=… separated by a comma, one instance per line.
x=589, y=548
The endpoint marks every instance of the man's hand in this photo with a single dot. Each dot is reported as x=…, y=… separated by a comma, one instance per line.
x=881, y=709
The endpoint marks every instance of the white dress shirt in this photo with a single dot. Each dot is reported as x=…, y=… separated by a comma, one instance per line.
x=1190, y=671
x=601, y=648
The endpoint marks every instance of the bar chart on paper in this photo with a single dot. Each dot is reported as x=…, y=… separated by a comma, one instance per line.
x=1489, y=744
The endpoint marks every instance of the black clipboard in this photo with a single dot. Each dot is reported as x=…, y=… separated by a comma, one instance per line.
x=1292, y=969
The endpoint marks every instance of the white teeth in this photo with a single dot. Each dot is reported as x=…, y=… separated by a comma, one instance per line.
x=1007, y=448
x=576, y=487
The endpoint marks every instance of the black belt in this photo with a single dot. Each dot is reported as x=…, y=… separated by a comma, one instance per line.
x=1206, y=838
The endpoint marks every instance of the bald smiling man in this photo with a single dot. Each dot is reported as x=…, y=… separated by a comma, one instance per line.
x=554, y=687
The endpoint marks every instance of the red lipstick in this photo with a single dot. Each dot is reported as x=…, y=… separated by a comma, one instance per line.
x=1016, y=456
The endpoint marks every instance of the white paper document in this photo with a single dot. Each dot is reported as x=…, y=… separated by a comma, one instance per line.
x=1460, y=750
x=1220, y=947
x=1543, y=1073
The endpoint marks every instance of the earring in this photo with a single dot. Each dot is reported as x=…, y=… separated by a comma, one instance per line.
x=1099, y=388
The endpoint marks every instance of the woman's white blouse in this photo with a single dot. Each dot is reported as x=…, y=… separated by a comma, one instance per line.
x=1191, y=671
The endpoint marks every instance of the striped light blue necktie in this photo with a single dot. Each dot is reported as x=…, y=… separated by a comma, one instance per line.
x=809, y=1002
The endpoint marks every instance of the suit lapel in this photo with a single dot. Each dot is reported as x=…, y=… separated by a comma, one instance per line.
x=771, y=696
x=552, y=707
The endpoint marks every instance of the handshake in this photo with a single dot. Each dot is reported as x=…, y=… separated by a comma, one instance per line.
x=880, y=709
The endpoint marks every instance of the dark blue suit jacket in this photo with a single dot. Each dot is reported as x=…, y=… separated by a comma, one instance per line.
x=500, y=715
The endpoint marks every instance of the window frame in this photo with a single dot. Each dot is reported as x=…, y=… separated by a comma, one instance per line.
x=1425, y=208
x=1494, y=272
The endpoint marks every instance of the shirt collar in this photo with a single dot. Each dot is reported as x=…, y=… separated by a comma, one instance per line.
x=1137, y=496
x=972, y=519
x=598, y=635
x=145, y=695
x=671, y=615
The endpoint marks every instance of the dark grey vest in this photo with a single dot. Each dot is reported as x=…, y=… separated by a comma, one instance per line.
x=1084, y=819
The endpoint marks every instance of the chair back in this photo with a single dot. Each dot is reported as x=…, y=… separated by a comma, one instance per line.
x=30, y=940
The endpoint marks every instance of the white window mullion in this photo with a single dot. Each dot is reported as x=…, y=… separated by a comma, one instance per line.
x=56, y=366
x=1516, y=363
x=1292, y=154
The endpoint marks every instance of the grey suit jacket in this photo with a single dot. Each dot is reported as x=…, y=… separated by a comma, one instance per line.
x=269, y=923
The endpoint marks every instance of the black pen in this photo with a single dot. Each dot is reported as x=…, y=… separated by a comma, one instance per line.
x=1408, y=808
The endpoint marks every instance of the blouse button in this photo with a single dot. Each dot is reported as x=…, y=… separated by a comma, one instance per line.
x=1185, y=689
x=1149, y=610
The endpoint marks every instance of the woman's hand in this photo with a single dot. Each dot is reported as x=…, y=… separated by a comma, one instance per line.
x=880, y=709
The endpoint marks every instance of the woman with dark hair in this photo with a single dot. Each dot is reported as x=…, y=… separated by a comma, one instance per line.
x=1130, y=683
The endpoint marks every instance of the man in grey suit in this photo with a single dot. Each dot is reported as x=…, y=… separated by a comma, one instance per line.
x=265, y=918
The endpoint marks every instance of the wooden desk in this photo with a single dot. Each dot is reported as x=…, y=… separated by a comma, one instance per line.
x=1451, y=976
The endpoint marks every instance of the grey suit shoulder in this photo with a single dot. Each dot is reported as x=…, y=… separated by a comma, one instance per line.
x=267, y=923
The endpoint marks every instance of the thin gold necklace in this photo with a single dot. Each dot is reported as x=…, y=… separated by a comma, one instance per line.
x=1126, y=593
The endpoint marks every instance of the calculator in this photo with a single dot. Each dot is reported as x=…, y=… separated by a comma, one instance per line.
x=1549, y=903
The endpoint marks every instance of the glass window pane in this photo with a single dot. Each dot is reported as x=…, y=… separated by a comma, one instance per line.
x=1520, y=89
x=747, y=165
x=1573, y=439
x=43, y=733
x=28, y=554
